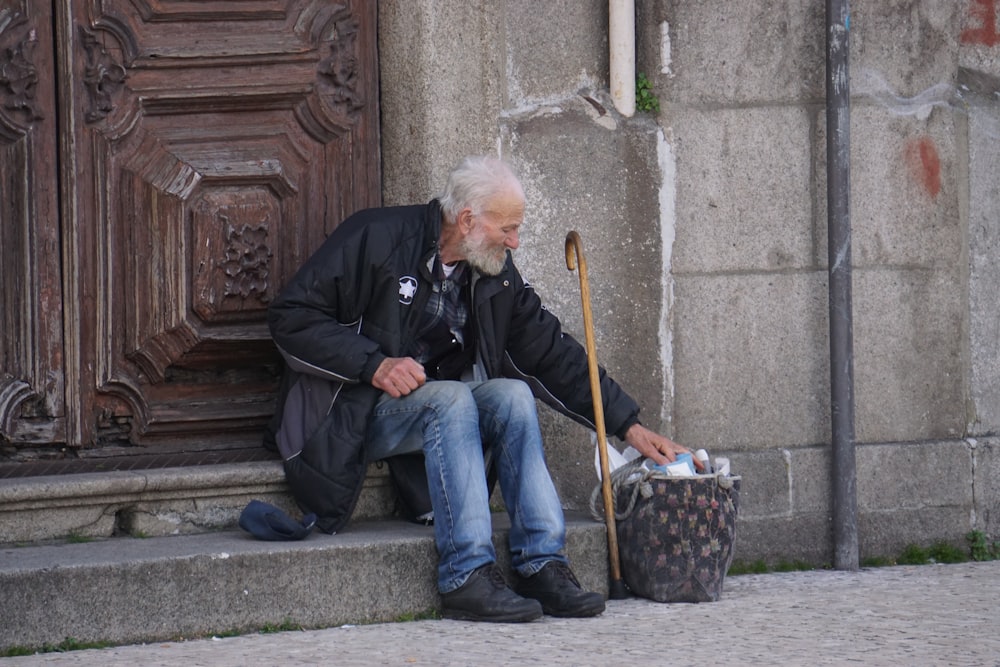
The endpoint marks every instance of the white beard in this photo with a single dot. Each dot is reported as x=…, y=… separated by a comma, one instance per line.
x=488, y=261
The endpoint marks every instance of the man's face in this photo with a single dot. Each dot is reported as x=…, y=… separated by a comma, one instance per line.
x=494, y=231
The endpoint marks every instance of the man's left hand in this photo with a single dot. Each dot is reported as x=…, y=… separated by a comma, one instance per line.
x=657, y=447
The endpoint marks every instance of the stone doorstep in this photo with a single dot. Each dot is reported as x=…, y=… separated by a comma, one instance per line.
x=125, y=590
x=157, y=502
x=195, y=573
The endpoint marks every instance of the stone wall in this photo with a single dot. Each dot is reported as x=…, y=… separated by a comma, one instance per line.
x=704, y=227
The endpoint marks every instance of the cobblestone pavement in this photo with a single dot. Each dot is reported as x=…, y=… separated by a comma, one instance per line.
x=916, y=615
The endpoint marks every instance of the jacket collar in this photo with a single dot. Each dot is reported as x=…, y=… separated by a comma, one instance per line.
x=432, y=232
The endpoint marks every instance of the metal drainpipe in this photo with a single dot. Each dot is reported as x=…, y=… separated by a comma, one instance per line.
x=838, y=191
x=621, y=54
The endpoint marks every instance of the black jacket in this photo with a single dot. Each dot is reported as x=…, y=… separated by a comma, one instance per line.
x=358, y=300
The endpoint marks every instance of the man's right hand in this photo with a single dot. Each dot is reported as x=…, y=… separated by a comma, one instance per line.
x=398, y=376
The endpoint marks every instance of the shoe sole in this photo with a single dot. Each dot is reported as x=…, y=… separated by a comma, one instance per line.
x=460, y=615
x=575, y=613
x=583, y=612
x=591, y=607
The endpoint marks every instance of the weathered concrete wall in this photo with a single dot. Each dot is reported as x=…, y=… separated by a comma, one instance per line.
x=983, y=204
x=705, y=232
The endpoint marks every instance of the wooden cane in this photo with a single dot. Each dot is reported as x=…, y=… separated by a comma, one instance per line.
x=574, y=256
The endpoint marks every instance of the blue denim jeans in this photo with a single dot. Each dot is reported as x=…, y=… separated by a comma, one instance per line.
x=453, y=423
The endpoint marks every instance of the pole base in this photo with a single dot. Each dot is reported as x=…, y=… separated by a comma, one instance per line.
x=617, y=590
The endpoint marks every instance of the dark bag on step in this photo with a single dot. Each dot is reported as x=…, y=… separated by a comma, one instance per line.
x=675, y=534
x=413, y=496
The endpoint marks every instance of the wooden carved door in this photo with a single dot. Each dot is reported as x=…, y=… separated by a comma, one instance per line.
x=170, y=167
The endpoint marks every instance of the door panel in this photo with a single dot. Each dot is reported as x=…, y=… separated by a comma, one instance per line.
x=31, y=324
x=213, y=147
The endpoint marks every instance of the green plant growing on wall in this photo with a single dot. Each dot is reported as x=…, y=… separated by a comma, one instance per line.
x=981, y=547
x=939, y=552
x=645, y=98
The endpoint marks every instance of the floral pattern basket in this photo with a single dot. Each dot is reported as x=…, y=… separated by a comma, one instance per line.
x=675, y=534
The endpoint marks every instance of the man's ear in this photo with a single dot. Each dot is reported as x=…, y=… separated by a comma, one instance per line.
x=465, y=220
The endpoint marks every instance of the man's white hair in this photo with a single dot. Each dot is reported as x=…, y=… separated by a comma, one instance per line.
x=473, y=183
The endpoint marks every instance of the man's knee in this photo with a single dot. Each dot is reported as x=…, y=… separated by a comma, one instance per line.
x=507, y=395
x=444, y=395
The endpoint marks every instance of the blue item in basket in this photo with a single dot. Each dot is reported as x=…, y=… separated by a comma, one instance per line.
x=683, y=465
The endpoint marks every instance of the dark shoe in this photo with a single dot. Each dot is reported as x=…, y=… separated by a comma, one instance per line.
x=559, y=592
x=485, y=596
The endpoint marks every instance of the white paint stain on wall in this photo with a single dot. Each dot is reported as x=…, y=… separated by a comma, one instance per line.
x=872, y=85
x=667, y=162
x=665, y=57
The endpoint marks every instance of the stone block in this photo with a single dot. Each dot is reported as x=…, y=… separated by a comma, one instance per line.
x=905, y=187
x=553, y=52
x=986, y=486
x=915, y=476
x=803, y=537
x=166, y=588
x=743, y=190
x=979, y=36
x=906, y=494
x=181, y=517
x=914, y=494
x=29, y=524
x=611, y=199
x=908, y=366
x=984, y=270
x=148, y=503
x=811, y=474
x=888, y=533
x=903, y=51
x=751, y=360
x=569, y=450
x=442, y=75
x=765, y=486
x=733, y=53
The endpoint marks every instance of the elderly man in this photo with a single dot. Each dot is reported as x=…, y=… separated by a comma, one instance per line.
x=411, y=330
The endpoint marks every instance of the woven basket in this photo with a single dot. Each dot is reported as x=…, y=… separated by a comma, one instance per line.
x=676, y=534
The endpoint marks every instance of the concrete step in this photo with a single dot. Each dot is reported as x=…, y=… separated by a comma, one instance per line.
x=156, y=502
x=131, y=590
x=156, y=554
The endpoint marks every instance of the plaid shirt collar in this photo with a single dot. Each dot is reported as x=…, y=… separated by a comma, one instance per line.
x=446, y=304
